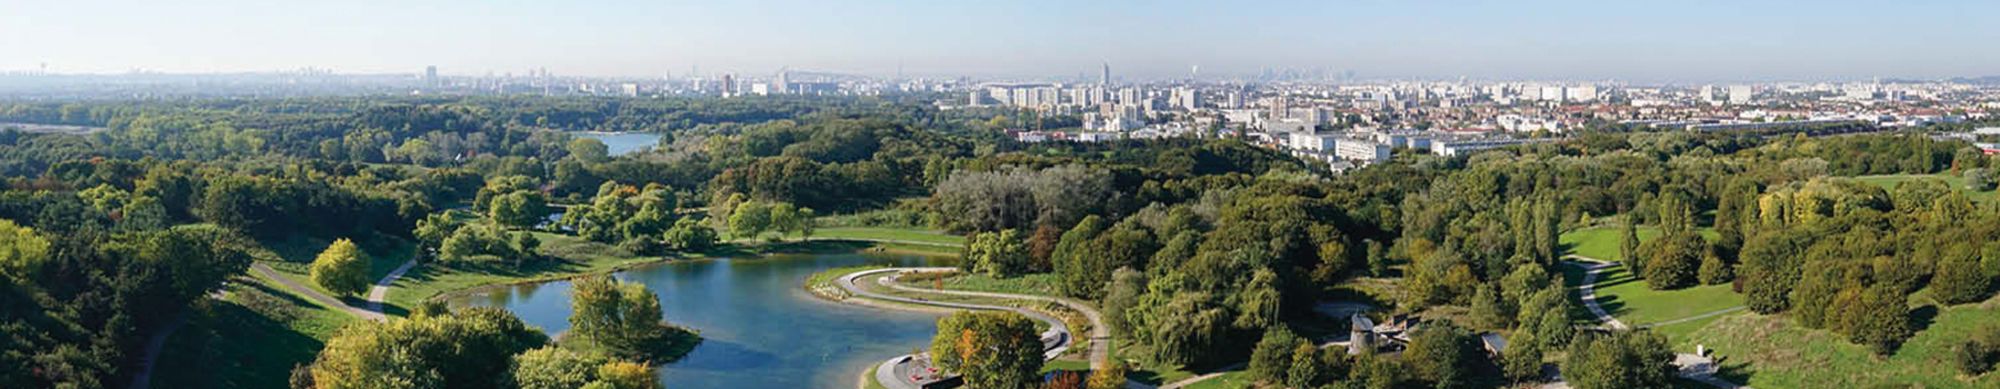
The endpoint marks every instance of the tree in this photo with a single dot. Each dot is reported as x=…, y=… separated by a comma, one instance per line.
x=1306, y=370
x=341, y=269
x=1074, y=257
x=1272, y=357
x=690, y=235
x=1673, y=260
x=1111, y=376
x=1628, y=243
x=625, y=375
x=521, y=209
x=433, y=230
x=1620, y=359
x=1959, y=280
x=1447, y=357
x=1713, y=270
x=620, y=316
x=22, y=251
x=750, y=219
x=1522, y=360
x=589, y=149
x=1489, y=311
x=1881, y=320
x=787, y=219
x=473, y=348
x=999, y=254
x=990, y=349
x=554, y=368
x=1980, y=179
x=1127, y=286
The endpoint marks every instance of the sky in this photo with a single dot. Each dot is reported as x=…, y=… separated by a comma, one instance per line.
x=1641, y=40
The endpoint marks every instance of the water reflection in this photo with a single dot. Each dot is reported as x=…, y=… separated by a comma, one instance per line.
x=761, y=329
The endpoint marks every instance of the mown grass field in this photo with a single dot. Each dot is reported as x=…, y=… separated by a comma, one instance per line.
x=1773, y=352
x=1601, y=242
x=1629, y=299
x=1889, y=182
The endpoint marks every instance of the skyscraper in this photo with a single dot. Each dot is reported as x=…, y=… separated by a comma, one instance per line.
x=431, y=75
x=784, y=83
x=1105, y=77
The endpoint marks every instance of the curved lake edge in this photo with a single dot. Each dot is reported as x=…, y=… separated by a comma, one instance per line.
x=731, y=348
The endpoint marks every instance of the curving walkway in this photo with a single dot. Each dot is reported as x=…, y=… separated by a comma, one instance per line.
x=313, y=294
x=381, y=289
x=154, y=345
x=1592, y=267
x=1694, y=367
x=1057, y=340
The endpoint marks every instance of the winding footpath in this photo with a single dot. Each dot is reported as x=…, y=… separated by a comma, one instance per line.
x=313, y=294
x=1058, y=339
x=1592, y=268
x=381, y=289
x=1694, y=367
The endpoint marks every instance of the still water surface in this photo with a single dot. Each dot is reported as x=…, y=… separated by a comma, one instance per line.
x=619, y=143
x=760, y=329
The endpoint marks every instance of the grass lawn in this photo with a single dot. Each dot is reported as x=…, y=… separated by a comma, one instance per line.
x=251, y=339
x=573, y=256
x=1772, y=352
x=1040, y=284
x=1601, y=242
x=1076, y=365
x=292, y=257
x=1632, y=302
x=1229, y=380
x=1890, y=181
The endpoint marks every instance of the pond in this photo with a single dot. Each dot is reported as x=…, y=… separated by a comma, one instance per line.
x=621, y=143
x=760, y=328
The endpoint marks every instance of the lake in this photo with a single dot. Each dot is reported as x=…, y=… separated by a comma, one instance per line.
x=760, y=328
x=621, y=143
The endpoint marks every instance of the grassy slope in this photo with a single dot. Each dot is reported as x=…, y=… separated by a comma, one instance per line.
x=251, y=339
x=1890, y=182
x=1601, y=242
x=1783, y=355
x=1630, y=300
x=293, y=257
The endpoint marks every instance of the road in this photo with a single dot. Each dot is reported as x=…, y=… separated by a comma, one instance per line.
x=894, y=373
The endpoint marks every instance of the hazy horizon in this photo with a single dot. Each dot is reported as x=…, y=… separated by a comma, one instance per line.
x=1656, y=42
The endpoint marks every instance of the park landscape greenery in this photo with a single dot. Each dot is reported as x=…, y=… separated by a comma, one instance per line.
x=1204, y=253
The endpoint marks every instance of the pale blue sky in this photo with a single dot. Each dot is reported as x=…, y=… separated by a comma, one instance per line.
x=1687, y=40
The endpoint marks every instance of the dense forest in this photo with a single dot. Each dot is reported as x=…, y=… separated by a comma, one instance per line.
x=1202, y=252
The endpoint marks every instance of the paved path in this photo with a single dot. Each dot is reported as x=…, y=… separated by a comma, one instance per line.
x=154, y=345
x=1100, y=335
x=1592, y=267
x=1058, y=339
x=315, y=295
x=1693, y=367
x=381, y=289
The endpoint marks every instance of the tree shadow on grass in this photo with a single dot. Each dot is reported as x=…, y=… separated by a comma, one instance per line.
x=1922, y=318
x=1612, y=305
x=1738, y=372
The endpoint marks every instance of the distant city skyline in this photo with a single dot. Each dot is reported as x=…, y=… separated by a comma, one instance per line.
x=1680, y=41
